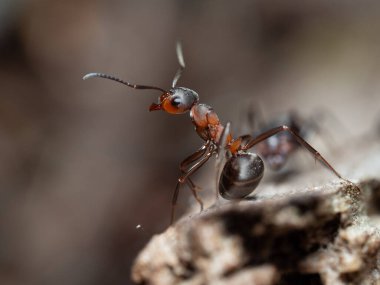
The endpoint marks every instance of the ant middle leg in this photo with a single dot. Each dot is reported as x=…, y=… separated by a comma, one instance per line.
x=300, y=140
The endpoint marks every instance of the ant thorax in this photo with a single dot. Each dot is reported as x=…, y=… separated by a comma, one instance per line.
x=206, y=122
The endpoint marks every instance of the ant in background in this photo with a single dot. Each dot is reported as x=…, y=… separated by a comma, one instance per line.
x=243, y=170
x=277, y=149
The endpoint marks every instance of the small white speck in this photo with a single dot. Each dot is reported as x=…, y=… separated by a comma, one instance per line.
x=138, y=227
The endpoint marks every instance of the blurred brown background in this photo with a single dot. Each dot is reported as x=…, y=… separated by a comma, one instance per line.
x=82, y=163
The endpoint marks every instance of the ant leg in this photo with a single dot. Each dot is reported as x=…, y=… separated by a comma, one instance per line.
x=245, y=139
x=174, y=202
x=274, y=131
x=194, y=189
x=196, y=166
x=312, y=126
x=183, y=168
x=184, y=177
x=321, y=123
x=193, y=157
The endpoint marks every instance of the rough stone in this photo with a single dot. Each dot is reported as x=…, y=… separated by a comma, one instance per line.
x=325, y=234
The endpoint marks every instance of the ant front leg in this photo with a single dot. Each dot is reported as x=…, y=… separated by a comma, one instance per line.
x=184, y=166
x=300, y=140
x=194, y=157
x=198, y=158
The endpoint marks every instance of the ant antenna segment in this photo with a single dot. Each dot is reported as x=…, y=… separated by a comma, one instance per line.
x=111, y=77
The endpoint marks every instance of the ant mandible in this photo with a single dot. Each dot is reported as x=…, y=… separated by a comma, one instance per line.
x=243, y=170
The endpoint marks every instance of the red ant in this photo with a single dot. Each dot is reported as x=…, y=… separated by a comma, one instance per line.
x=243, y=170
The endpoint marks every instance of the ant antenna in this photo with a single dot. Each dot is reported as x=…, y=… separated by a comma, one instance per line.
x=181, y=62
x=135, y=86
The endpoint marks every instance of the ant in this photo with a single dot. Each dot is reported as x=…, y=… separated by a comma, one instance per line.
x=243, y=170
x=277, y=149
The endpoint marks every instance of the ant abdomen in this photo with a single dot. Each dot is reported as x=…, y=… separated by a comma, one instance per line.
x=241, y=175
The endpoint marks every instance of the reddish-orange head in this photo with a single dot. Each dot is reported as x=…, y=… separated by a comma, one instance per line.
x=178, y=100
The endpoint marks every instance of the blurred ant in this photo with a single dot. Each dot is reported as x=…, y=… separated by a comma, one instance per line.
x=243, y=170
x=277, y=149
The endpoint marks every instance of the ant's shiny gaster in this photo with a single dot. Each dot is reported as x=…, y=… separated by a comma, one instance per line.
x=242, y=171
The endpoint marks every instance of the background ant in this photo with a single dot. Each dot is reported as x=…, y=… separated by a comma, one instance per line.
x=277, y=149
x=243, y=170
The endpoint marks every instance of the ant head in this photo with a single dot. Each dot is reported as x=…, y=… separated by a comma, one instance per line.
x=177, y=100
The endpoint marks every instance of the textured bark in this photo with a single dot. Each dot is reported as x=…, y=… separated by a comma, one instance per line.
x=319, y=235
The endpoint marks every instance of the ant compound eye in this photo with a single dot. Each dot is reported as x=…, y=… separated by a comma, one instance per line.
x=176, y=101
x=240, y=176
x=179, y=101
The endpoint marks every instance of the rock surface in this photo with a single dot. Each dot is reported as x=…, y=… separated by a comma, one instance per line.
x=320, y=235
